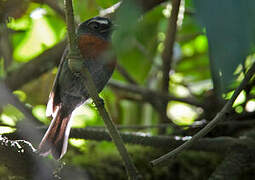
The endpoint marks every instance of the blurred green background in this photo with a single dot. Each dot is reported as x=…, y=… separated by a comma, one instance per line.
x=33, y=27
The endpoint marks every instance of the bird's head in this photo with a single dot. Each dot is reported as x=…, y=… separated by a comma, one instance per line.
x=97, y=26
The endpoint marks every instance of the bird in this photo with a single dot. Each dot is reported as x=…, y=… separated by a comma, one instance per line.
x=68, y=91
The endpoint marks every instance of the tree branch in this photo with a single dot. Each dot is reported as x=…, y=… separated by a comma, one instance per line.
x=6, y=48
x=36, y=67
x=6, y=97
x=218, y=144
x=125, y=74
x=222, y=115
x=148, y=94
x=167, y=57
x=167, y=54
x=20, y=158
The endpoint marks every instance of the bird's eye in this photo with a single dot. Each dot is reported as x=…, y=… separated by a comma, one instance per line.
x=94, y=26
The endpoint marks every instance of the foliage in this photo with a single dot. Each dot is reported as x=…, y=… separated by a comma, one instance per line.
x=212, y=51
x=230, y=33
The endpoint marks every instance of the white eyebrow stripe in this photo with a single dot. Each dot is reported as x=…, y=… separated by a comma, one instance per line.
x=101, y=21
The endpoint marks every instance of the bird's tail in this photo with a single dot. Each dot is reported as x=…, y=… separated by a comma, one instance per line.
x=55, y=140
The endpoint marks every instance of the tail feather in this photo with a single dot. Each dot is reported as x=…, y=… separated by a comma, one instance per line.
x=55, y=140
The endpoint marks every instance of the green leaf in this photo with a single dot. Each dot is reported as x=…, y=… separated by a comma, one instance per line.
x=36, y=40
x=57, y=25
x=106, y=4
x=230, y=31
x=39, y=112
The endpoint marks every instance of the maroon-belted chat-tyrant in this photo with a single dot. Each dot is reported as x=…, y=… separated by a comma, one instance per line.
x=68, y=90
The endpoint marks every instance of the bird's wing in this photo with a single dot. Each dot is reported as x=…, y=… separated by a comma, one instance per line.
x=54, y=99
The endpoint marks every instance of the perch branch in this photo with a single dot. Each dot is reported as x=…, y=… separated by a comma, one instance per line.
x=218, y=144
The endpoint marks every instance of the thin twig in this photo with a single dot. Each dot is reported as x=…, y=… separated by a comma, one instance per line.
x=125, y=74
x=167, y=56
x=222, y=115
x=196, y=124
x=147, y=93
x=74, y=64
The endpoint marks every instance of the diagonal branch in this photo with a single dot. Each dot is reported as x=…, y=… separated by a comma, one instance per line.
x=74, y=64
x=222, y=115
x=36, y=67
x=6, y=97
x=125, y=74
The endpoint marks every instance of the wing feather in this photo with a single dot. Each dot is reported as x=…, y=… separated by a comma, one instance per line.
x=54, y=98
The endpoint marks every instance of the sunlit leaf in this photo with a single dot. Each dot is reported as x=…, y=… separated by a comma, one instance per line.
x=180, y=113
x=23, y=23
x=39, y=37
x=39, y=112
x=82, y=116
x=79, y=143
x=57, y=25
x=20, y=94
x=201, y=43
x=7, y=120
x=4, y=130
x=194, y=68
x=239, y=109
x=240, y=99
x=12, y=113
